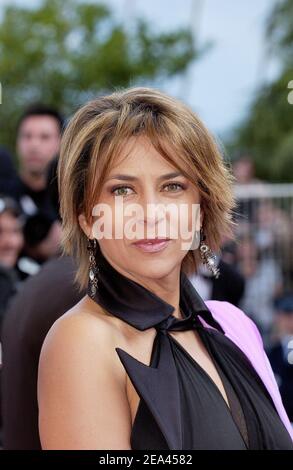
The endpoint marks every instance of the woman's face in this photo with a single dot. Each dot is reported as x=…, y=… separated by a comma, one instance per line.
x=140, y=200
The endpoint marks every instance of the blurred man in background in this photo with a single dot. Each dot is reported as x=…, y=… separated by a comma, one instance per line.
x=38, y=139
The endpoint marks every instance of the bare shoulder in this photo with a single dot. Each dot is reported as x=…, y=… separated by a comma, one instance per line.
x=82, y=384
x=82, y=331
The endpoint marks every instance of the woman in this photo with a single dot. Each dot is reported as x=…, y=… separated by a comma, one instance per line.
x=141, y=362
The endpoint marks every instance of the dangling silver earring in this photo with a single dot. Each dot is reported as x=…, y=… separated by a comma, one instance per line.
x=207, y=256
x=93, y=269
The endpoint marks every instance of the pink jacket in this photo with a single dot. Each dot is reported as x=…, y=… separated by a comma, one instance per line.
x=244, y=333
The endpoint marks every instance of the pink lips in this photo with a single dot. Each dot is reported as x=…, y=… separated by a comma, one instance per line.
x=152, y=245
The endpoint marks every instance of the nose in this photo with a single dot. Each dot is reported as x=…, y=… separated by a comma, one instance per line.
x=153, y=210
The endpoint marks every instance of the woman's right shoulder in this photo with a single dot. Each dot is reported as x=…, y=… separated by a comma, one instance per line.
x=81, y=389
x=85, y=333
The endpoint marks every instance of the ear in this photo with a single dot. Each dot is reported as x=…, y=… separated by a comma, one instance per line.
x=86, y=228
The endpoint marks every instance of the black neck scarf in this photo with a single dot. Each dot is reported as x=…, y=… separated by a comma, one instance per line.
x=141, y=308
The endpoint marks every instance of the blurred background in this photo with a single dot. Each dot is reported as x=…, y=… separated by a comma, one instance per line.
x=232, y=63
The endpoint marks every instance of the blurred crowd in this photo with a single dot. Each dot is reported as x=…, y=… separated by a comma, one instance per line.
x=30, y=226
x=256, y=269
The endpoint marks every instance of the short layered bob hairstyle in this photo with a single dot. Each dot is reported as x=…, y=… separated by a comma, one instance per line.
x=96, y=134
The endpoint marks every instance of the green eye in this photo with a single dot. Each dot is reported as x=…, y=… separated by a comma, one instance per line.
x=121, y=190
x=174, y=187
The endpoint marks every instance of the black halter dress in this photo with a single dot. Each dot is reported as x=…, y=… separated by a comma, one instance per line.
x=180, y=406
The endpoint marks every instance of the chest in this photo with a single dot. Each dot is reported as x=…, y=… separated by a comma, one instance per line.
x=193, y=346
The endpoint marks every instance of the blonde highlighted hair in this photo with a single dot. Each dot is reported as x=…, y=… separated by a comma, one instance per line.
x=96, y=134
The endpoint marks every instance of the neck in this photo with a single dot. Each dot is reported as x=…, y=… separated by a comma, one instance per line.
x=167, y=287
x=35, y=181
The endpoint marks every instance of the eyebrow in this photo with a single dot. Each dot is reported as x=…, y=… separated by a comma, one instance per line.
x=135, y=178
